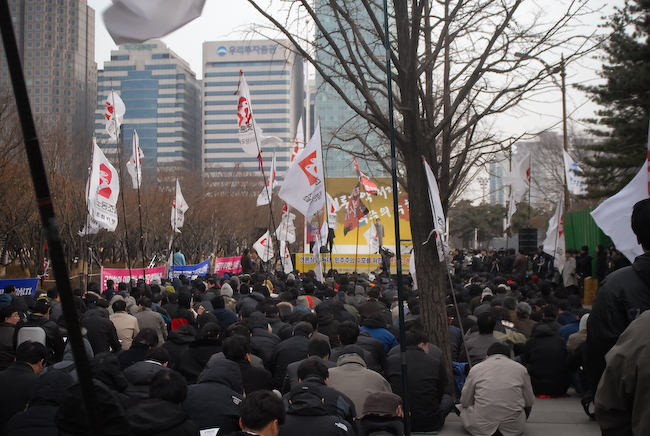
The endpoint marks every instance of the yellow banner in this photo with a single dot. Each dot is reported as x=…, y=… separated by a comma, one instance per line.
x=345, y=263
x=379, y=206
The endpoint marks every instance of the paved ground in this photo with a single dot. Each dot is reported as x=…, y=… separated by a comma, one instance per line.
x=549, y=417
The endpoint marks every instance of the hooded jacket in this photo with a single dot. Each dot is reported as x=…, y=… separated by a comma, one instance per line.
x=376, y=327
x=214, y=400
x=545, y=356
x=195, y=357
x=139, y=377
x=307, y=411
x=352, y=378
x=47, y=396
x=154, y=417
x=250, y=300
x=177, y=342
x=101, y=331
x=288, y=351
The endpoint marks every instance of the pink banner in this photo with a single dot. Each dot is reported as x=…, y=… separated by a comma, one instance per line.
x=227, y=265
x=119, y=275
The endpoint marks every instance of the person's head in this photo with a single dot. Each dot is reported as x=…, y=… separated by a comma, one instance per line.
x=348, y=332
x=382, y=405
x=523, y=310
x=311, y=318
x=210, y=331
x=318, y=348
x=146, y=302
x=158, y=354
x=486, y=322
x=237, y=348
x=549, y=312
x=417, y=338
x=148, y=337
x=10, y=289
x=9, y=315
x=303, y=328
x=584, y=250
x=110, y=284
x=119, y=306
x=641, y=223
x=169, y=386
x=33, y=354
x=311, y=367
x=262, y=412
x=41, y=308
x=53, y=294
x=498, y=348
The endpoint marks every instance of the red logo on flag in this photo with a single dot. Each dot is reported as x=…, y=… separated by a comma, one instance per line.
x=308, y=166
x=109, y=110
x=561, y=227
x=243, y=112
x=528, y=174
x=105, y=177
x=263, y=242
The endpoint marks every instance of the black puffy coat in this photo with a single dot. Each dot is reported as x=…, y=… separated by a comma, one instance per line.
x=545, y=356
x=427, y=381
x=193, y=360
x=214, y=400
x=288, y=351
x=47, y=396
x=307, y=411
x=177, y=342
x=154, y=417
x=101, y=331
x=139, y=377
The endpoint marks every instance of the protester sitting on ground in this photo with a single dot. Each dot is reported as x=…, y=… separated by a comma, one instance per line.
x=40, y=317
x=140, y=374
x=126, y=325
x=238, y=349
x=100, y=331
x=289, y=351
x=382, y=414
x=8, y=319
x=348, y=336
x=497, y=395
x=148, y=319
x=545, y=356
x=428, y=385
x=162, y=414
x=178, y=341
x=145, y=340
x=318, y=350
x=522, y=322
x=214, y=400
x=196, y=356
x=477, y=347
x=261, y=413
x=19, y=379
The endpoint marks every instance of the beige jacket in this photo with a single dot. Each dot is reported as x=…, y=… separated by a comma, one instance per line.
x=127, y=328
x=494, y=397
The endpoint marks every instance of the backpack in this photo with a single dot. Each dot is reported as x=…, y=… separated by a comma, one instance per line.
x=31, y=333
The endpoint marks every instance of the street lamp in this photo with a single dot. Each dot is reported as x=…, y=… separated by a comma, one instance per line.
x=551, y=71
x=483, y=181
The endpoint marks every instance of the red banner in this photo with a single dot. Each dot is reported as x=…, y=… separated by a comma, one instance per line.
x=227, y=265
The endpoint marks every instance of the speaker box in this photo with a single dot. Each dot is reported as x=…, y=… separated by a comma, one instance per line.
x=528, y=241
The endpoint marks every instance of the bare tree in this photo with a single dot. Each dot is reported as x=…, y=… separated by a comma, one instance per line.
x=454, y=68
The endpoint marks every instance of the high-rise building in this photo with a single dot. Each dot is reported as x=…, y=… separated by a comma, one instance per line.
x=275, y=79
x=56, y=42
x=163, y=104
x=343, y=130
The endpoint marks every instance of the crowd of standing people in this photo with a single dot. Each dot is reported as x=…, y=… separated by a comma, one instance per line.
x=268, y=354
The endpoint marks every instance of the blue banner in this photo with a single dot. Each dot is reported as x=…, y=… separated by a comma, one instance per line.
x=189, y=271
x=23, y=286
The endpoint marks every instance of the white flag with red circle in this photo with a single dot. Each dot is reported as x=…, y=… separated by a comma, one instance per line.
x=103, y=191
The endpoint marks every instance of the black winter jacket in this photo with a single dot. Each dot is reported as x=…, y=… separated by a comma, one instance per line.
x=288, y=351
x=214, y=400
x=307, y=411
x=139, y=377
x=154, y=417
x=101, y=331
x=177, y=342
x=193, y=360
x=545, y=356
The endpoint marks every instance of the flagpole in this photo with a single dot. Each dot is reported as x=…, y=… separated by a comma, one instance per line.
x=398, y=249
x=119, y=171
x=327, y=211
x=87, y=223
x=259, y=154
x=138, y=170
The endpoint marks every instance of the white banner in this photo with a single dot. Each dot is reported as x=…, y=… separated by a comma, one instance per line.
x=179, y=207
x=103, y=190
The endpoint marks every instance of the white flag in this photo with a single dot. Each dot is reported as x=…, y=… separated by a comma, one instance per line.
x=322, y=233
x=265, y=196
x=299, y=142
x=372, y=238
x=138, y=21
x=412, y=270
x=333, y=207
x=614, y=215
x=92, y=227
x=554, y=244
x=264, y=247
x=287, y=265
x=113, y=113
x=103, y=190
x=304, y=185
x=437, y=211
x=179, y=207
x=519, y=178
x=512, y=208
x=251, y=139
x=134, y=165
x=575, y=183
x=286, y=231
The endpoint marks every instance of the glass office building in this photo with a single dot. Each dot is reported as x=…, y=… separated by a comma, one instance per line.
x=163, y=103
x=275, y=79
